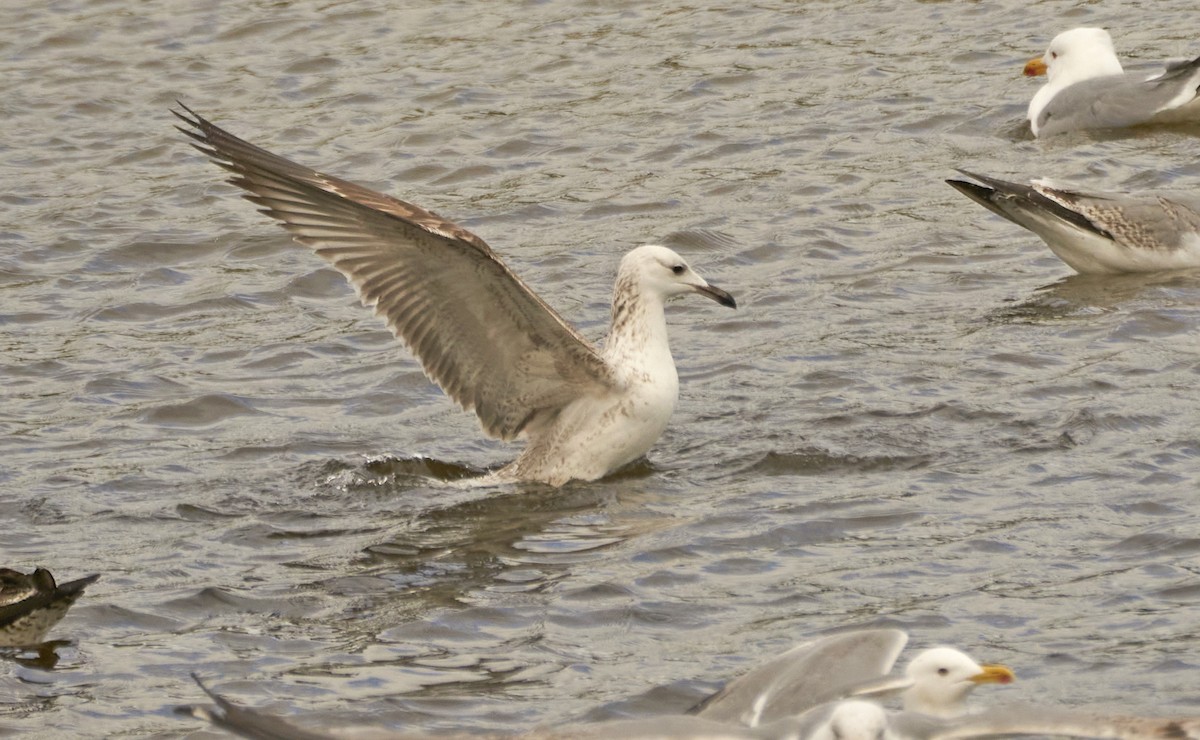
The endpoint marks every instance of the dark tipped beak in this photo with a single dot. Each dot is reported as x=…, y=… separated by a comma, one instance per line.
x=717, y=295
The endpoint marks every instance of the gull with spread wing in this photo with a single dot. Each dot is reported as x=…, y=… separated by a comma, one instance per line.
x=479, y=332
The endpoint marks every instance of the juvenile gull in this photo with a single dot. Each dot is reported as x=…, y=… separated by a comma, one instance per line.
x=32, y=603
x=1086, y=88
x=479, y=332
x=1096, y=232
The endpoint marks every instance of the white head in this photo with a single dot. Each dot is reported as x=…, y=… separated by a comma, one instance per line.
x=855, y=720
x=1075, y=55
x=942, y=678
x=659, y=271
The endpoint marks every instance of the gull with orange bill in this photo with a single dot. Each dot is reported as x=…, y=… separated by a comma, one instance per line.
x=1087, y=88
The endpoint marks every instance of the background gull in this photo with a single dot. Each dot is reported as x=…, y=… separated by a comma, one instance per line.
x=854, y=719
x=865, y=720
x=851, y=664
x=1086, y=88
x=1097, y=232
x=479, y=332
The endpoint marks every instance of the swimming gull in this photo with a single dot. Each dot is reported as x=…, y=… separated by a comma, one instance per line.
x=843, y=720
x=850, y=664
x=32, y=603
x=1095, y=232
x=1087, y=88
x=864, y=720
x=852, y=719
x=479, y=332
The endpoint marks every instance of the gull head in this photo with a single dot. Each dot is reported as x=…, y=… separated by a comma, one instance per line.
x=660, y=272
x=943, y=677
x=1076, y=55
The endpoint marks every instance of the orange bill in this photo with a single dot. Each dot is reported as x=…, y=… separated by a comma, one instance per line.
x=1035, y=67
x=994, y=673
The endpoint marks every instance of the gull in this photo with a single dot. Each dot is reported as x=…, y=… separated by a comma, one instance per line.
x=491, y=343
x=1095, y=232
x=261, y=725
x=939, y=715
x=864, y=720
x=851, y=664
x=32, y=603
x=844, y=720
x=1086, y=88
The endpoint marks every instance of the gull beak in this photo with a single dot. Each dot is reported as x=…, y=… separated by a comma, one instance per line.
x=1035, y=67
x=994, y=673
x=718, y=295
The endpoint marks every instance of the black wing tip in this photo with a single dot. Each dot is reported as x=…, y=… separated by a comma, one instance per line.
x=973, y=190
x=78, y=584
x=993, y=182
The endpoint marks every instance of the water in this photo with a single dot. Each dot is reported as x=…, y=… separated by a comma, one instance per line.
x=917, y=417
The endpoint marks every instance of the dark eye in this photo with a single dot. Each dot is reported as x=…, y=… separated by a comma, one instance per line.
x=1054, y=55
x=678, y=269
x=943, y=671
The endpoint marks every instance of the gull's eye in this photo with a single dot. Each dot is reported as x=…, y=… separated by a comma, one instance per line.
x=1054, y=55
x=678, y=269
x=943, y=671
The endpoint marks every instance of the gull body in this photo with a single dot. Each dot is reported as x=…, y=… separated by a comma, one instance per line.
x=943, y=676
x=1096, y=232
x=863, y=720
x=1087, y=88
x=479, y=332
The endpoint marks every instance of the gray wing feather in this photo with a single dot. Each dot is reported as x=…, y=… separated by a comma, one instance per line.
x=810, y=674
x=479, y=332
x=1115, y=101
x=1160, y=222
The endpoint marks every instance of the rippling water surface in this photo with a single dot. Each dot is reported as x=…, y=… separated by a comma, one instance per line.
x=917, y=417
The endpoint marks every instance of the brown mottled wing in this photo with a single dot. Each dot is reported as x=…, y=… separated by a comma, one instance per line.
x=478, y=331
x=1163, y=222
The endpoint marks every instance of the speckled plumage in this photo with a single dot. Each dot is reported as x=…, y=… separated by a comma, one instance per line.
x=30, y=604
x=1096, y=232
x=480, y=333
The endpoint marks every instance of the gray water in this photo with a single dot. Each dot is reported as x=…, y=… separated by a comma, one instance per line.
x=917, y=417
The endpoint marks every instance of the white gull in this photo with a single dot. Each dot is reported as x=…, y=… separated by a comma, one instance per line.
x=936, y=681
x=1096, y=232
x=479, y=332
x=1087, y=88
x=855, y=661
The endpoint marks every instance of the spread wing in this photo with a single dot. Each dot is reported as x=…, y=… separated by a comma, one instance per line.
x=479, y=332
x=805, y=676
